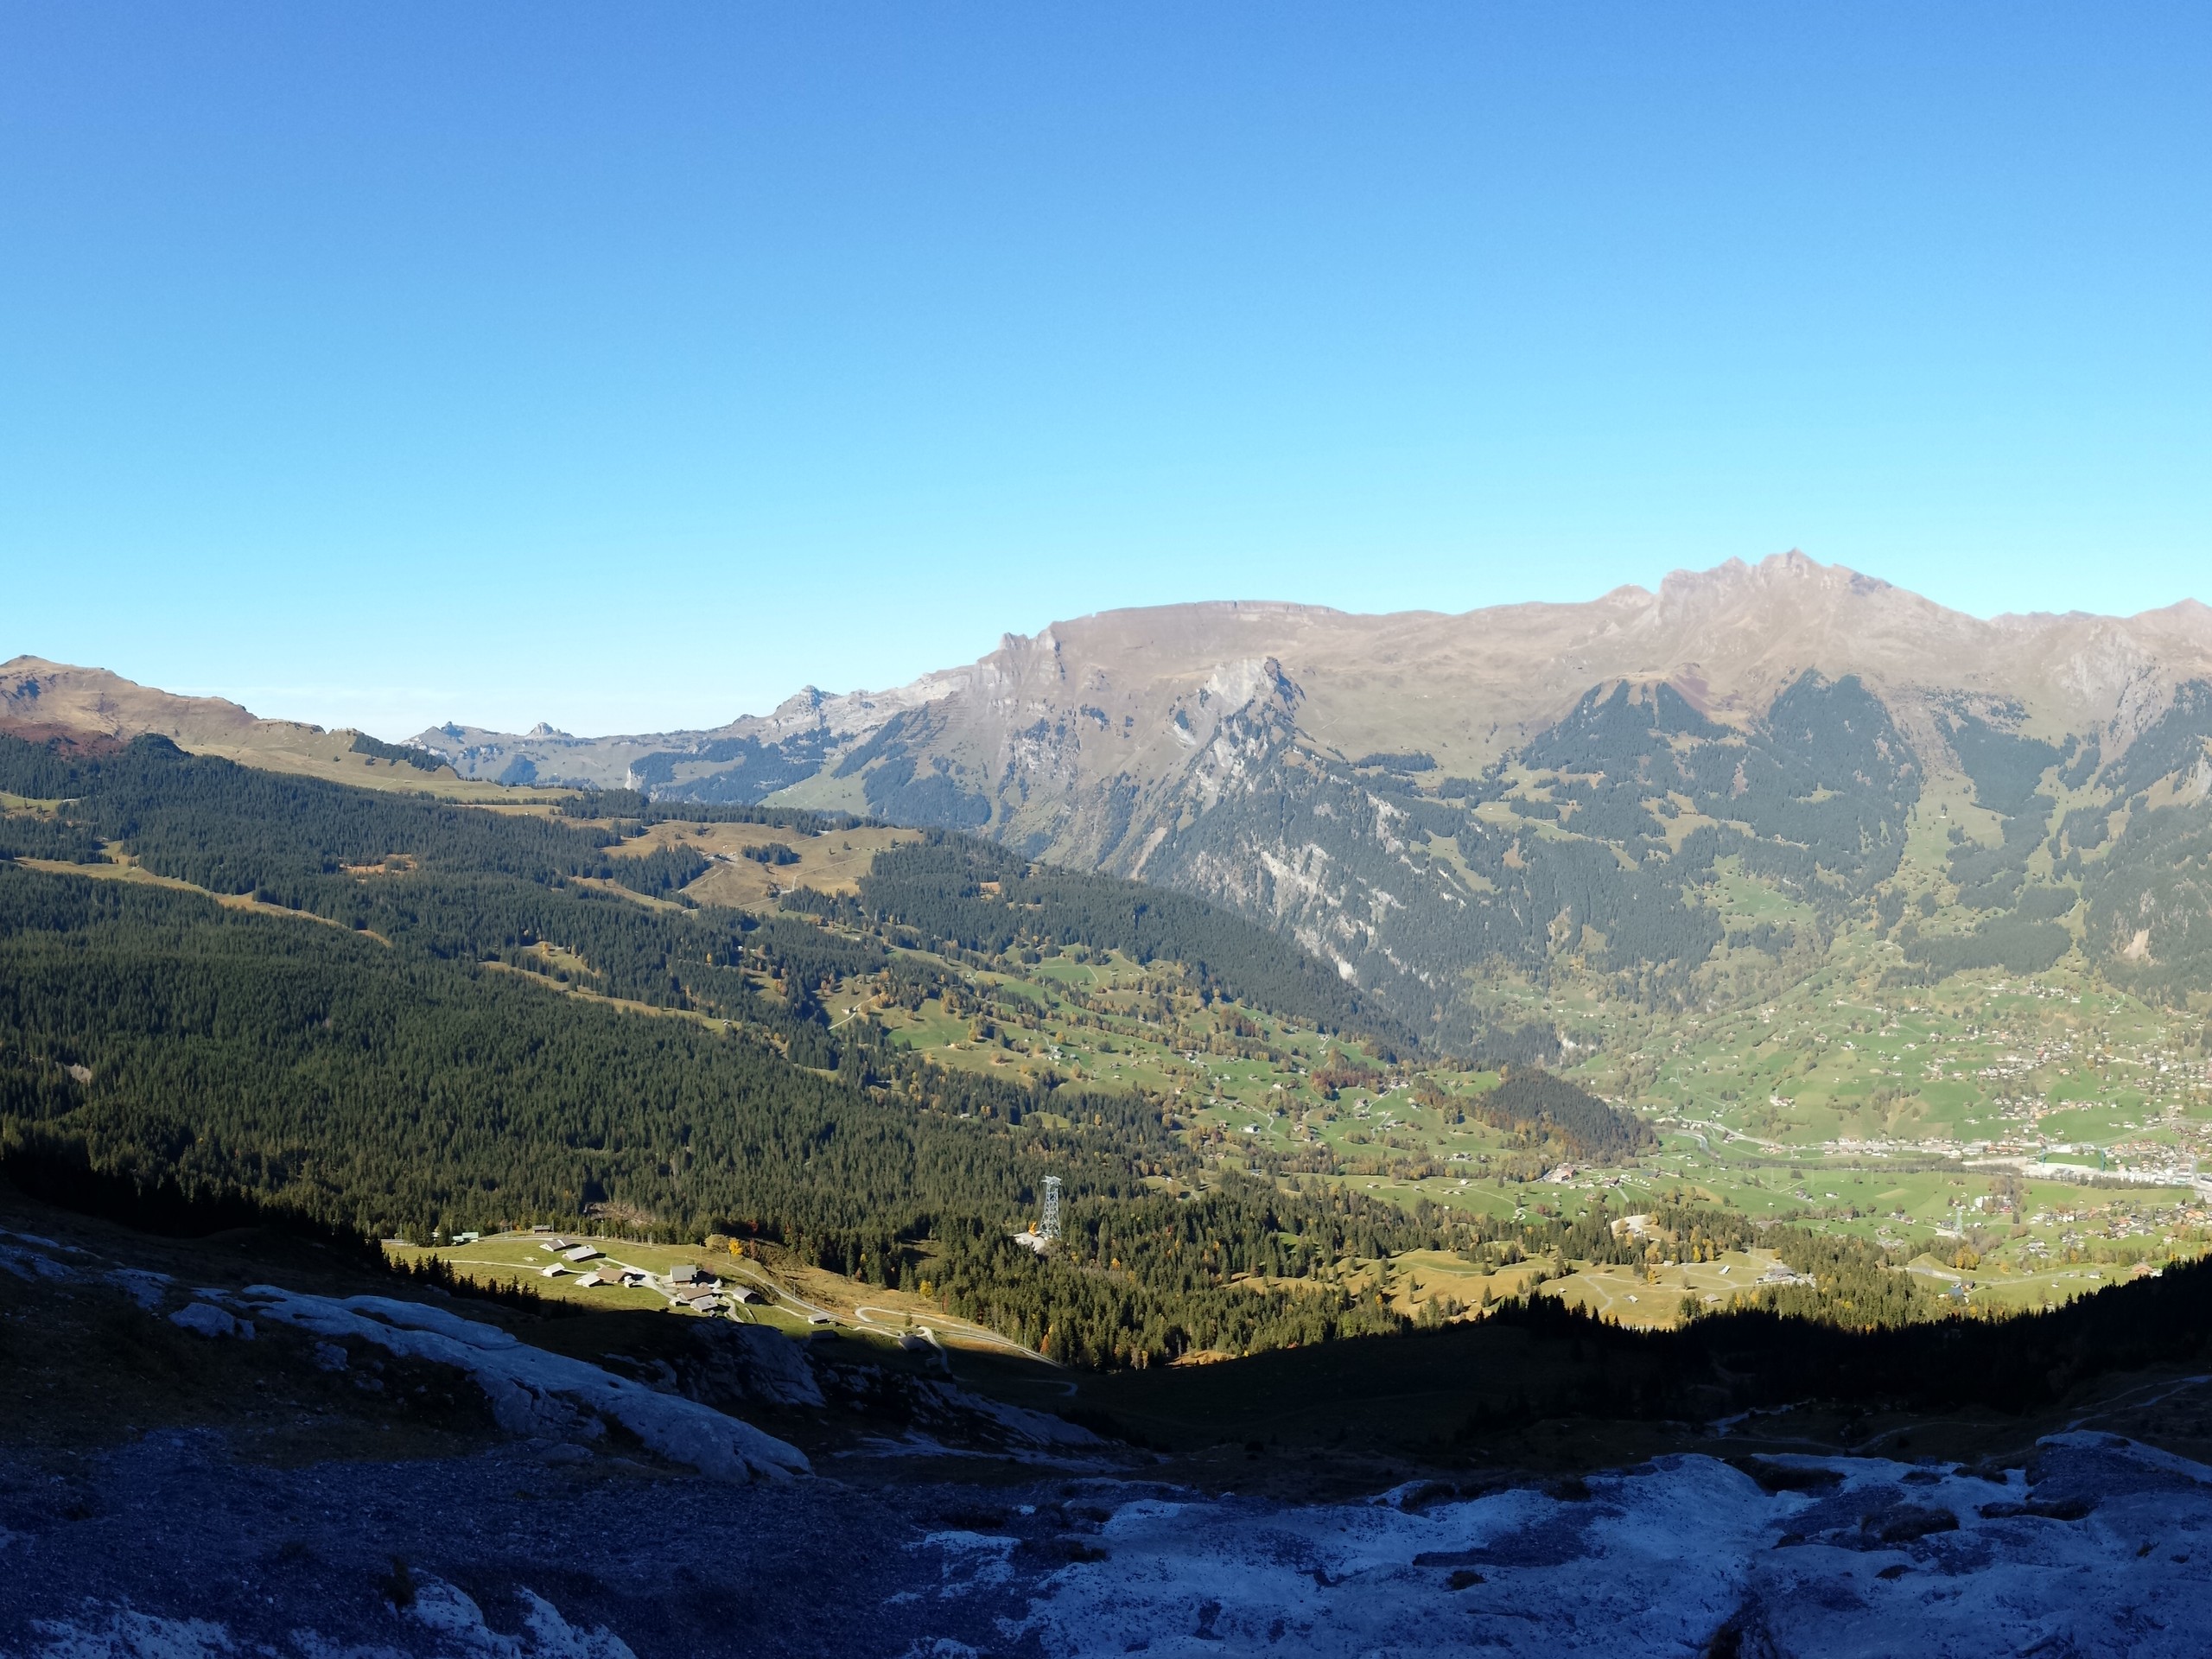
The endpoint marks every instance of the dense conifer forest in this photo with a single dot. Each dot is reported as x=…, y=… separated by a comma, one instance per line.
x=985, y=898
x=411, y=1066
x=1534, y=1103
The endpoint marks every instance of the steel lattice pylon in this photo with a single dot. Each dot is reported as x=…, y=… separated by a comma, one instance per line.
x=1050, y=1226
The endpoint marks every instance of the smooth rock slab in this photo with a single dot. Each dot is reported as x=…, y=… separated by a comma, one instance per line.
x=533, y=1392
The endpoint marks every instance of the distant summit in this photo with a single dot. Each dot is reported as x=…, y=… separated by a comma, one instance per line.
x=38, y=698
x=43, y=701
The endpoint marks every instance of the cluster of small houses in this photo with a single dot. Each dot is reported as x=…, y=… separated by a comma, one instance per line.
x=686, y=1285
x=1646, y=1229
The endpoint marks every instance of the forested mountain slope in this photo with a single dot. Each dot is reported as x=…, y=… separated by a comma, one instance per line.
x=405, y=1015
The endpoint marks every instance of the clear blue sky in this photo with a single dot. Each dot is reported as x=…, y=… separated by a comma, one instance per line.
x=628, y=366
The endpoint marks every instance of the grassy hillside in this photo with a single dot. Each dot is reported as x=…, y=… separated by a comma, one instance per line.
x=417, y=1017
x=384, y=1040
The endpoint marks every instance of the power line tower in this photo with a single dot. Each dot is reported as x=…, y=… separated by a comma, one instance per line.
x=1050, y=1227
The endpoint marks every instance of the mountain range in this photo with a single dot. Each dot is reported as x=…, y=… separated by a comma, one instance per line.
x=1140, y=695
x=1525, y=790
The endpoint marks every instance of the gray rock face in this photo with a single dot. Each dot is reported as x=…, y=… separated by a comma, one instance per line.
x=533, y=1392
x=205, y=1319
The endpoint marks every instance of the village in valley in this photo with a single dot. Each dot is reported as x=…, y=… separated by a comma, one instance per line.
x=2012, y=1142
